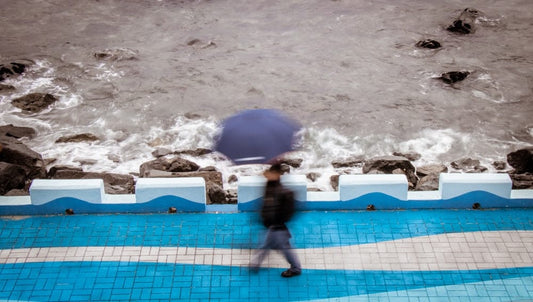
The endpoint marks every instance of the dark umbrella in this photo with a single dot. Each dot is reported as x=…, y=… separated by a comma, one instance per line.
x=256, y=136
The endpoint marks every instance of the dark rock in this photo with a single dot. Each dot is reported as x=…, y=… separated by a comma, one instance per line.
x=14, y=152
x=34, y=102
x=428, y=183
x=285, y=169
x=11, y=177
x=428, y=43
x=465, y=23
x=313, y=176
x=6, y=88
x=113, y=183
x=454, y=76
x=195, y=152
x=176, y=164
x=159, y=152
x=293, y=162
x=334, y=181
x=468, y=165
x=412, y=156
x=499, y=165
x=8, y=70
x=521, y=160
x=233, y=178
x=349, y=162
x=17, y=132
x=215, y=194
x=431, y=169
x=77, y=138
x=116, y=54
x=522, y=181
x=18, y=192
x=208, y=168
x=231, y=196
x=390, y=165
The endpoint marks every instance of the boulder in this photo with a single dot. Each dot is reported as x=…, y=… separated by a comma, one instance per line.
x=412, y=156
x=428, y=43
x=160, y=152
x=14, y=152
x=195, y=152
x=465, y=23
x=521, y=160
x=77, y=138
x=392, y=165
x=468, y=165
x=454, y=76
x=429, y=182
x=11, y=177
x=436, y=169
x=351, y=162
x=176, y=164
x=293, y=162
x=116, y=54
x=499, y=165
x=11, y=69
x=215, y=194
x=34, y=102
x=313, y=176
x=6, y=88
x=17, y=132
x=522, y=181
x=114, y=183
x=334, y=181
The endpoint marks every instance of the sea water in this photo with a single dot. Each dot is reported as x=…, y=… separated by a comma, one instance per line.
x=347, y=70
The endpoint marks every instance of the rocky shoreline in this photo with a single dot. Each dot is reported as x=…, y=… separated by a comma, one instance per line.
x=19, y=165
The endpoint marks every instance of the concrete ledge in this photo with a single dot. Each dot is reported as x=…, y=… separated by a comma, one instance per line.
x=354, y=186
x=296, y=183
x=250, y=188
x=456, y=184
x=43, y=191
x=189, y=188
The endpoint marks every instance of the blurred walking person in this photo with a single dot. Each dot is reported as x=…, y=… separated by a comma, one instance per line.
x=277, y=209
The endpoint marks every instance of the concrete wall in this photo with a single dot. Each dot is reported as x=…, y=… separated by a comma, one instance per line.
x=356, y=192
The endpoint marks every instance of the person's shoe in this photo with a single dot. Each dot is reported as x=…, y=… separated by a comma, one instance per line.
x=288, y=273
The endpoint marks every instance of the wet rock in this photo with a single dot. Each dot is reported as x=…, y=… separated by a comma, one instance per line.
x=499, y=165
x=454, y=76
x=11, y=177
x=195, y=152
x=468, y=165
x=313, y=176
x=6, y=88
x=428, y=183
x=436, y=169
x=233, y=178
x=231, y=196
x=78, y=138
x=159, y=152
x=215, y=194
x=412, y=156
x=357, y=161
x=390, y=165
x=521, y=160
x=17, y=132
x=113, y=183
x=14, y=152
x=116, y=54
x=522, y=181
x=334, y=181
x=34, y=102
x=293, y=162
x=176, y=164
x=465, y=23
x=428, y=43
x=11, y=69
x=208, y=168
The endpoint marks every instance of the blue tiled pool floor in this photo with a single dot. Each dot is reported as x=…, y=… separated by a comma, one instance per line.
x=433, y=255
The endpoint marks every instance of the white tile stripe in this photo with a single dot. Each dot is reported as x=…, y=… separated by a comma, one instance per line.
x=453, y=251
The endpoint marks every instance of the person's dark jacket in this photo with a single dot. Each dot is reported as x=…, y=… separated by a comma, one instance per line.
x=278, y=205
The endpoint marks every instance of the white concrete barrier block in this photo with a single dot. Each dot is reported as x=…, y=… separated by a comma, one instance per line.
x=250, y=188
x=353, y=186
x=45, y=190
x=455, y=184
x=297, y=184
x=190, y=188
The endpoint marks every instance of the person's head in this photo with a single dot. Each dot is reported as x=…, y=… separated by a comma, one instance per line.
x=273, y=173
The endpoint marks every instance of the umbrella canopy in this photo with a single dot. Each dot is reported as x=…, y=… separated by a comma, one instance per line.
x=256, y=136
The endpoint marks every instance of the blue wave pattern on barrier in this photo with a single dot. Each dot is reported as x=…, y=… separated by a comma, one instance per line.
x=113, y=281
x=242, y=230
